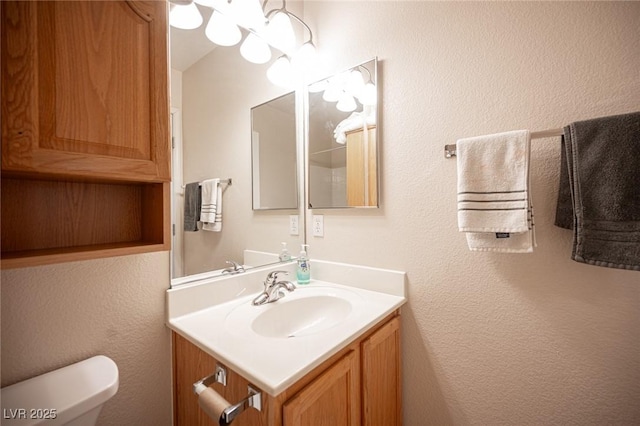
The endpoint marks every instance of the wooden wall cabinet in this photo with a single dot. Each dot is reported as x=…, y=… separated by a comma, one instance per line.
x=362, y=168
x=360, y=385
x=85, y=130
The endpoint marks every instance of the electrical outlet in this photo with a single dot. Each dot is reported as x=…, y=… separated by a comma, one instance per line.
x=318, y=225
x=293, y=225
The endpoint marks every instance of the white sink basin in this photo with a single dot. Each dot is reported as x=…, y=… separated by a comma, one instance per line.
x=300, y=313
x=300, y=317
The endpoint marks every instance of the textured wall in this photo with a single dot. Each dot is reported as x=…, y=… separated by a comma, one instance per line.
x=276, y=133
x=56, y=315
x=491, y=339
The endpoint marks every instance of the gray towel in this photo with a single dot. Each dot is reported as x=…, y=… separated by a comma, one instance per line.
x=599, y=194
x=192, y=205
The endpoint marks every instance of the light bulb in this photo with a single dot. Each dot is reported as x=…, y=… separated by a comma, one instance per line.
x=355, y=83
x=369, y=95
x=186, y=17
x=305, y=57
x=222, y=31
x=256, y=50
x=279, y=32
x=318, y=86
x=346, y=103
x=219, y=5
x=208, y=3
x=248, y=13
x=333, y=92
x=279, y=73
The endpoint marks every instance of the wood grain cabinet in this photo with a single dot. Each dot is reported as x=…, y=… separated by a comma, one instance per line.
x=85, y=130
x=333, y=398
x=362, y=168
x=360, y=385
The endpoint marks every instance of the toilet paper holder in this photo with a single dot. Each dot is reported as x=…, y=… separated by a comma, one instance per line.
x=231, y=411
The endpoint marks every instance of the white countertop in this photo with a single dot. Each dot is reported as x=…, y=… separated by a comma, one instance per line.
x=275, y=363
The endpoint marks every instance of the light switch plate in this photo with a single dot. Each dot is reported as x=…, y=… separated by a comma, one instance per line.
x=318, y=225
x=293, y=225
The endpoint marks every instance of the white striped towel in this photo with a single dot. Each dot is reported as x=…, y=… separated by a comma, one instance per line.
x=494, y=198
x=211, y=212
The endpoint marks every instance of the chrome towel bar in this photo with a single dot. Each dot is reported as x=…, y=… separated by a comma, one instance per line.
x=450, y=150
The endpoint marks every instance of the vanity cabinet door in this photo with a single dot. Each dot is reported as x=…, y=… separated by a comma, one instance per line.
x=381, y=376
x=333, y=398
x=85, y=90
x=191, y=364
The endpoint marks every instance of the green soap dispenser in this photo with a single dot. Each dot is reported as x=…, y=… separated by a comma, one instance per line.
x=303, y=271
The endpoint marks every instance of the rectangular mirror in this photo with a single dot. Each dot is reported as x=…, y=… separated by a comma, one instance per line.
x=212, y=92
x=343, y=140
x=274, y=155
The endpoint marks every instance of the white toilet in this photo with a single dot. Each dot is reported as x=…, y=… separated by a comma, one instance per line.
x=72, y=395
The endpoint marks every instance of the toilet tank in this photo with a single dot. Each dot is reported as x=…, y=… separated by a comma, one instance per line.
x=72, y=395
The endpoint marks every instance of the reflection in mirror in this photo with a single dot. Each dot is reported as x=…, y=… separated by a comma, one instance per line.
x=273, y=154
x=343, y=148
x=212, y=93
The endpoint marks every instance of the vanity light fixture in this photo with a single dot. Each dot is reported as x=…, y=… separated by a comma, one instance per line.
x=346, y=103
x=185, y=16
x=279, y=33
x=345, y=87
x=222, y=30
x=273, y=29
x=280, y=72
x=255, y=49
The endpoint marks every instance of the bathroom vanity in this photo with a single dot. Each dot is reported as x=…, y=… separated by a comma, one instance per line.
x=326, y=353
x=360, y=385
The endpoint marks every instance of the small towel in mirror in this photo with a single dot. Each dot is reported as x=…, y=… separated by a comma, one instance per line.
x=191, y=206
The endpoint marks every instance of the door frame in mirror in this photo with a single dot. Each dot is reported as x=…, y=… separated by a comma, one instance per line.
x=257, y=164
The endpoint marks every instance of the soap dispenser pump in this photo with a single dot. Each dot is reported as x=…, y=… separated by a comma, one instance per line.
x=284, y=253
x=303, y=271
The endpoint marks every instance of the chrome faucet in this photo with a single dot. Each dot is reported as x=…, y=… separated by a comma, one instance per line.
x=235, y=268
x=273, y=289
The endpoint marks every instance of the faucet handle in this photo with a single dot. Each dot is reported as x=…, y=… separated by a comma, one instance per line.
x=234, y=268
x=236, y=265
x=272, y=277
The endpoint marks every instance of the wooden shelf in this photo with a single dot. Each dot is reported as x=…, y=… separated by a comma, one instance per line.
x=47, y=222
x=49, y=256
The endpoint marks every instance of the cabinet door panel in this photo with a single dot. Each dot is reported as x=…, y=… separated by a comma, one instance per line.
x=192, y=364
x=333, y=399
x=86, y=86
x=362, y=180
x=97, y=97
x=381, y=376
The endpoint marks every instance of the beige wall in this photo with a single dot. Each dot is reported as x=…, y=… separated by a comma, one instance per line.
x=276, y=156
x=56, y=315
x=491, y=339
